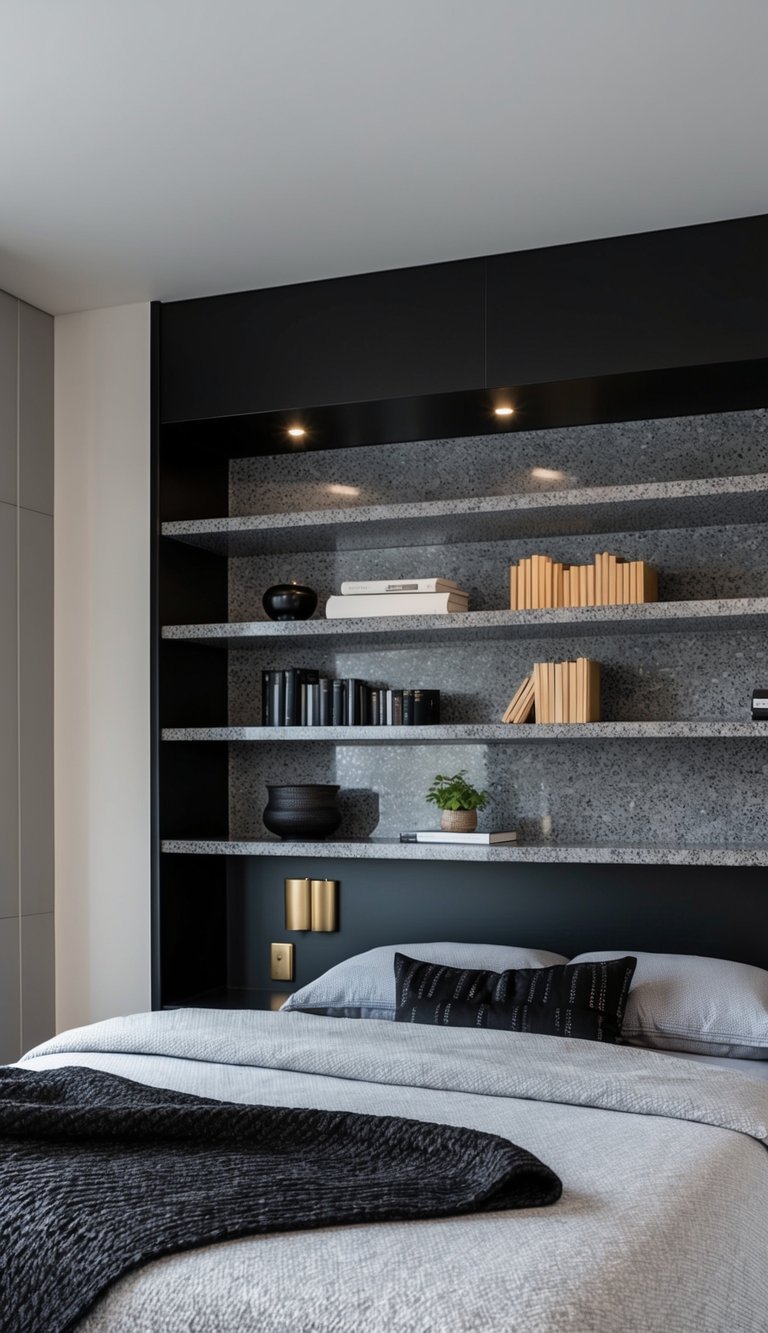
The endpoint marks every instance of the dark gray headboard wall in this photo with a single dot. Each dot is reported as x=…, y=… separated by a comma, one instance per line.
x=568, y=909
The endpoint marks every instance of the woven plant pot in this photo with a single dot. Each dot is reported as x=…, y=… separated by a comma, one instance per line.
x=458, y=821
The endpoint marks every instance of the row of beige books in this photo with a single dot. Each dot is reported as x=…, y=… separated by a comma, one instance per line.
x=539, y=583
x=557, y=692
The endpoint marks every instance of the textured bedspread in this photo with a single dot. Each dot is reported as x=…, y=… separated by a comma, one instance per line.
x=99, y=1174
x=663, y=1223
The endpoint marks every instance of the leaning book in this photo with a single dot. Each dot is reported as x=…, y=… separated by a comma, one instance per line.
x=479, y=839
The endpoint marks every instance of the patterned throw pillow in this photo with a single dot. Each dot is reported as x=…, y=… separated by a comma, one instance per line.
x=576, y=1000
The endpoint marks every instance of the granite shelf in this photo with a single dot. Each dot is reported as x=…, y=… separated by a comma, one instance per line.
x=595, y=509
x=525, y=853
x=472, y=733
x=724, y=614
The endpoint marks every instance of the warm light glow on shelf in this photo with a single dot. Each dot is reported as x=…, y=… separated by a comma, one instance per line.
x=336, y=488
x=296, y=432
x=548, y=474
x=504, y=411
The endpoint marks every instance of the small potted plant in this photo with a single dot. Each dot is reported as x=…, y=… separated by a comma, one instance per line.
x=458, y=800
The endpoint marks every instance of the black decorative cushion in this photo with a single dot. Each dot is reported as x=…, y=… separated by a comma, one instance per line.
x=571, y=1000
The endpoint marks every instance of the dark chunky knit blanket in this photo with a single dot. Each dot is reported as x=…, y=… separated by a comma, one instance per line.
x=99, y=1174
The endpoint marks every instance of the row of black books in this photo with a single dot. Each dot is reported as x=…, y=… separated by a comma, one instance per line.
x=300, y=697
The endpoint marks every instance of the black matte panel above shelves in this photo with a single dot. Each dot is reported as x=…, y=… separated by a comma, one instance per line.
x=682, y=297
x=378, y=335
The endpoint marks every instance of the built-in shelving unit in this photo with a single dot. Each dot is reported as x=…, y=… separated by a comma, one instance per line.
x=649, y=441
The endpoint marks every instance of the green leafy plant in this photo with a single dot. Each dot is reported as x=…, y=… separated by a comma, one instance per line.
x=453, y=793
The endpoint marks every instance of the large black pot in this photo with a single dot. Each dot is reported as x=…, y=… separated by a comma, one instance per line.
x=302, y=812
x=289, y=601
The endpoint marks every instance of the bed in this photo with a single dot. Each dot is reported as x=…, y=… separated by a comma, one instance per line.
x=663, y=1222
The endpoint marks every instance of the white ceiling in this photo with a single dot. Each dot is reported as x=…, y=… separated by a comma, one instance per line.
x=175, y=148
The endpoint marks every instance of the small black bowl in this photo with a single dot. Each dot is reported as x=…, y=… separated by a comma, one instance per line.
x=289, y=601
x=302, y=812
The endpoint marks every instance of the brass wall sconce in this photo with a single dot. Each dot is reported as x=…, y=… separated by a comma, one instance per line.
x=312, y=904
x=298, y=913
x=325, y=904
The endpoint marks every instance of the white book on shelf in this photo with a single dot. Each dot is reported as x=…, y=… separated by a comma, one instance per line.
x=397, y=604
x=479, y=839
x=380, y=587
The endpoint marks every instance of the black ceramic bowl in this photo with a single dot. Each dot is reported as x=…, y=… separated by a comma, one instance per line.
x=302, y=812
x=289, y=601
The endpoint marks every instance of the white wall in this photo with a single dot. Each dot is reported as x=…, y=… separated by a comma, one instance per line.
x=101, y=671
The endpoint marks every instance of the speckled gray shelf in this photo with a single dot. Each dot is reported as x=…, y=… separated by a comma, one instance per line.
x=734, y=613
x=665, y=504
x=543, y=853
x=475, y=733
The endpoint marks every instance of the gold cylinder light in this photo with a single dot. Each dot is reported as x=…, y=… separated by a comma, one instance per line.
x=325, y=909
x=298, y=911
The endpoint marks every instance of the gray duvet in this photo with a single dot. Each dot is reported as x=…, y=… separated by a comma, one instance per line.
x=663, y=1224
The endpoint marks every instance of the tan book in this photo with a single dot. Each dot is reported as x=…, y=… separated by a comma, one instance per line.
x=624, y=581
x=573, y=693
x=550, y=583
x=567, y=587
x=558, y=714
x=543, y=562
x=583, y=585
x=590, y=585
x=545, y=704
x=538, y=582
x=612, y=570
x=538, y=691
x=525, y=705
x=510, y=708
x=598, y=568
x=580, y=690
x=526, y=567
x=559, y=575
x=513, y=587
x=633, y=582
x=551, y=683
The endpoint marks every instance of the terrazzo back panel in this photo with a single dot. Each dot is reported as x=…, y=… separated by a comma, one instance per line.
x=643, y=678
x=661, y=792
x=692, y=563
x=504, y=462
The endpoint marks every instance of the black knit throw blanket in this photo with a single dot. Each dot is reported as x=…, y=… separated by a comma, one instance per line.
x=99, y=1174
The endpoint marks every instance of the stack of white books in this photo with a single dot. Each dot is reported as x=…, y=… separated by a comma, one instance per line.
x=398, y=597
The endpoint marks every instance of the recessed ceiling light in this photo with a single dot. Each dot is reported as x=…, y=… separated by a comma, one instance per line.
x=296, y=432
x=504, y=411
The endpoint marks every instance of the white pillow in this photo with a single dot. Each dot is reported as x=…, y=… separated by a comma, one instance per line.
x=364, y=986
x=709, y=1006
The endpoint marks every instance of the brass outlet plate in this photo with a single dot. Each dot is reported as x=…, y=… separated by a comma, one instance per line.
x=281, y=962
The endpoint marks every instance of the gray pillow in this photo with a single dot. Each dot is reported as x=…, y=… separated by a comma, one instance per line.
x=364, y=986
x=708, y=1006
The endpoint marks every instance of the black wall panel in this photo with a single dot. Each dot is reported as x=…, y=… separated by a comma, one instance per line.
x=381, y=335
x=687, y=296
x=569, y=909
